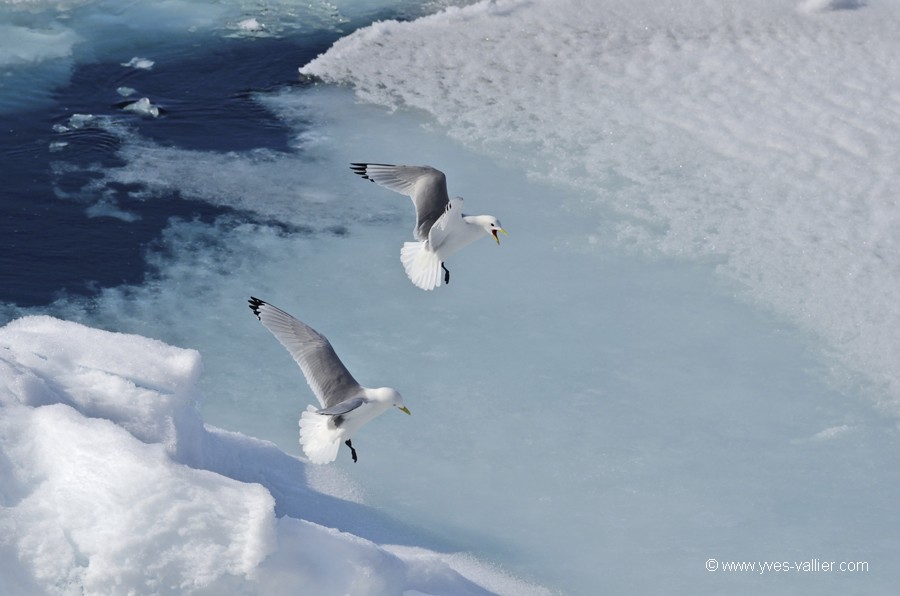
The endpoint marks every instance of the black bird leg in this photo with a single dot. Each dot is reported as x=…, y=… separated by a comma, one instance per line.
x=446, y=274
x=352, y=450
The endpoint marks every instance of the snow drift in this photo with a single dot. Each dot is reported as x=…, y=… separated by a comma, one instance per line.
x=110, y=483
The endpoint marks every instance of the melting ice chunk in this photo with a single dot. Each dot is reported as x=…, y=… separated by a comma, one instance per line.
x=250, y=24
x=141, y=63
x=106, y=208
x=80, y=120
x=75, y=121
x=143, y=107
x=126, y=91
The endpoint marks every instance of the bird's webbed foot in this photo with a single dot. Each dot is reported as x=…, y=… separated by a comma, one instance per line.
x=352, y=450
x=446, y=274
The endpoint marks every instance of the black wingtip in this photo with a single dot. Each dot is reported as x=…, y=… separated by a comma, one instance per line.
x=255, y=303
x=360, y=168
x=363, y=168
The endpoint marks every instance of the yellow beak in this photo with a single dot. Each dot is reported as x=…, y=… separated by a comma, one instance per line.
x=405, y=409
x=496, y=237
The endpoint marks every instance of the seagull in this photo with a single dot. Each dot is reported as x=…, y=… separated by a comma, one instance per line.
x=346, y=405
x=441, y=226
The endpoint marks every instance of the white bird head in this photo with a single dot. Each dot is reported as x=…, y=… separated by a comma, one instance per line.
x=390, y=396
x=491, y=226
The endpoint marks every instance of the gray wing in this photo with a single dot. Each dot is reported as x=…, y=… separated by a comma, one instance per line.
x=426, y=186
x=326, y=374
x=345, y=406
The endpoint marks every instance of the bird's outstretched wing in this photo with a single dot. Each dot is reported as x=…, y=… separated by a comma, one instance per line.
x=326, y=374
x=342, y=408
x=426, y=186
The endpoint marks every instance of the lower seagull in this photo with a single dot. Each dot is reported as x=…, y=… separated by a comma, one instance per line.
x=346, y=405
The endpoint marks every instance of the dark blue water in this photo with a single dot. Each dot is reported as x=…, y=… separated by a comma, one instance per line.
x=50, y=246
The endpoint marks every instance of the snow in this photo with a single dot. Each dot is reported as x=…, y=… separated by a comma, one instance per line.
x=110, y=483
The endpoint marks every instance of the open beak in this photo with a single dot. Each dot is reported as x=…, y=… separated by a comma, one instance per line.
x=405, y=409
x=496, y=237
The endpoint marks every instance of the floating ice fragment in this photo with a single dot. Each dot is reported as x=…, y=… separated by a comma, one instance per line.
x=143, y=107
x=251, y=27
x=250, y=24
x=111, y=209
x=141, y=63
x=126, y=91
x=79, y=120
x=58, y=146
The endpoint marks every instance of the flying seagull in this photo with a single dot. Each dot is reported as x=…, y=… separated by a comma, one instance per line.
x=346, y=405
x=441, y=226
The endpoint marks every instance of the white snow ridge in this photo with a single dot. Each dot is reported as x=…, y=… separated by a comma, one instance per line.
x=111, y=484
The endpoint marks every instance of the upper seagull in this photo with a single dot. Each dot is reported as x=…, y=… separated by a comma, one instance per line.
x=346, y=405
x=441, y=226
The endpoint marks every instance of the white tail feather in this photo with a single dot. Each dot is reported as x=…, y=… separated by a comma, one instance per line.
x=318, y=437
x=421, y=264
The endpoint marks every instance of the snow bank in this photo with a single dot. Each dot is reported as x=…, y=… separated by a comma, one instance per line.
x=111, y=484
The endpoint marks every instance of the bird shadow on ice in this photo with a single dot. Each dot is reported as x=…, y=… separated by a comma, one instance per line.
x=248, y=459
